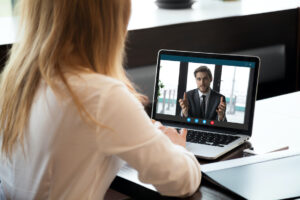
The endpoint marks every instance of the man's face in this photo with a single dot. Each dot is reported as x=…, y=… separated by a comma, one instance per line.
x=203, y=81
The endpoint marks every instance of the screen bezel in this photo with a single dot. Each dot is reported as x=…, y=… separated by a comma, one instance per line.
x=252, y=90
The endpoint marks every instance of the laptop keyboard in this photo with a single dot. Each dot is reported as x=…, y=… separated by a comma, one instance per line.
x=213, y=139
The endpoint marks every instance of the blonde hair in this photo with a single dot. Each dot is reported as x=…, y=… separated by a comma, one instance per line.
x=51, y=31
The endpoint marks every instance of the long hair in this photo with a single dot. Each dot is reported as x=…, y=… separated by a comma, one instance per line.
x=51, y=31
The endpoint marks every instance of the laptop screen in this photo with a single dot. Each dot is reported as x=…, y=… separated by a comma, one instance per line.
x=212, y=91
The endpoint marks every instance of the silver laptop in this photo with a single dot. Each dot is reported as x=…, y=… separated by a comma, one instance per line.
x=212, y=95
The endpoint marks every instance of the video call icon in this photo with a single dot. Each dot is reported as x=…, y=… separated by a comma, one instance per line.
x=196, y=120
x=188, y=119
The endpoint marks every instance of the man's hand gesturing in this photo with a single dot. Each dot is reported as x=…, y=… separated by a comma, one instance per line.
x=221, y=109
x=184, y=104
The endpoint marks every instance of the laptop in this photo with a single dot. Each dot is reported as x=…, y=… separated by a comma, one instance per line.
x=222, y=119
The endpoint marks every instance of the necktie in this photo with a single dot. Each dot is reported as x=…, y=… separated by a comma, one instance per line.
x=203, y=106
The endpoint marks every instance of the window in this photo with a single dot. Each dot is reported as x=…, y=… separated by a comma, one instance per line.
x=6, y=8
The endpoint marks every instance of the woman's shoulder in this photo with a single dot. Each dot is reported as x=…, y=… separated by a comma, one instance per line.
x=93, y=81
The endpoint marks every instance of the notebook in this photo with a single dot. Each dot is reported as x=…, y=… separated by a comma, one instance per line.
x=212, y=95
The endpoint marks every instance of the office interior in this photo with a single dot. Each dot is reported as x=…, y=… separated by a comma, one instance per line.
x=269, y=29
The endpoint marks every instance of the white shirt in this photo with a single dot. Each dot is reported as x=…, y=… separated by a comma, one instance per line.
x=66, y=158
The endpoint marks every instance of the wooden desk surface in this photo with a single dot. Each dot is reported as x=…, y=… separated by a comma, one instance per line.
x=276, y=123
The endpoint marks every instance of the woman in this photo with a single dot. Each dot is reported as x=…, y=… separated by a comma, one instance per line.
x=69, y=116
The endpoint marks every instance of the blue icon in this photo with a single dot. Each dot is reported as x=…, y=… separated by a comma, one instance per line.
x=188, y=119
x=204, y=121
x=196, y=120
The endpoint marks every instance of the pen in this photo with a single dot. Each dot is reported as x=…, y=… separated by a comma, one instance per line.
x=252, y=152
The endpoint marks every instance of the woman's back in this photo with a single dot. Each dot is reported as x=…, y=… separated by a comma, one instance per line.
x=63, y=156
x=68, y=158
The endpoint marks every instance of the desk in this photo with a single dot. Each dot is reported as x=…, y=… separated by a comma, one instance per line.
x=277, y=121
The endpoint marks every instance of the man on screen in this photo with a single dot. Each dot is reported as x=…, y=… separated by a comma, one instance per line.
x=203, y=102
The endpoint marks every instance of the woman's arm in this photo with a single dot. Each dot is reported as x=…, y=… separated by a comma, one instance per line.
x=170, y=168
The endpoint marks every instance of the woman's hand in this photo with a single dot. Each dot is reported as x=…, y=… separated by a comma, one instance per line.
x=175, y=137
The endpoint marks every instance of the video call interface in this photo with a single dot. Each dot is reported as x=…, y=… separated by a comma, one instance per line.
x=204, y=91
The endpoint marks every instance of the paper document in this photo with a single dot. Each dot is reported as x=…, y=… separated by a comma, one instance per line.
x=131, y=174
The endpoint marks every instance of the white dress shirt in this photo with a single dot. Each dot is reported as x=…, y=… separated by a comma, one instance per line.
x=68, y=158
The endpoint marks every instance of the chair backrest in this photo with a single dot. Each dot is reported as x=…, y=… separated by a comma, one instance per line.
x=3, y=55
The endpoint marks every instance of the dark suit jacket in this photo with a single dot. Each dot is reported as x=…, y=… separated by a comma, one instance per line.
x=213, y=103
